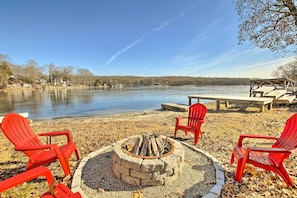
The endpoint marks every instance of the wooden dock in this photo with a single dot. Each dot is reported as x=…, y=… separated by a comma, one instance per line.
x=272, y=91
x=226, y=99
x=175, y=107
x=285, y=99
x=279, y=96
x=275, y=94
x=262, y=91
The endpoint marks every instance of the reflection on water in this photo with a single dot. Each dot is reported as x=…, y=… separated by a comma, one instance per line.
x=49, y=104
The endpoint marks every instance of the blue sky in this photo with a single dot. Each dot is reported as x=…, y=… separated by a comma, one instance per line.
x=133, y=37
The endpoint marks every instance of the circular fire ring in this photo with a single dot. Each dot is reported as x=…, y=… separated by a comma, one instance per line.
x=168, y=148
x=142, y=170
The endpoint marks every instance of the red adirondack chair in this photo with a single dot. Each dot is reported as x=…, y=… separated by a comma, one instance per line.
x=195, y=119
x=270, y=159
x=16, y=128
x=55, y=190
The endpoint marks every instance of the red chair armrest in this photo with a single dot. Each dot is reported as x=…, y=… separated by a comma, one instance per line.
x=244, y=136
x=57, y=133
x=26, y=176
x=270, y=150
x=179, y=119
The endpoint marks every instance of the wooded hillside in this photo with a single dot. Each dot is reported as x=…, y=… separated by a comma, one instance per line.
x=169, y=80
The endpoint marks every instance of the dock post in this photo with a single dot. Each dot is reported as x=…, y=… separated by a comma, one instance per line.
x=262, y=108
x=226, y=103
x=270, y=106
x=190, y=101
x=218, y=105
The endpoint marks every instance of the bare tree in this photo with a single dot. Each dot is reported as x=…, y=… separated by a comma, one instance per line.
x=5, y=72
x=268, y=24
x=48, y=70
x=288, y=70
x=4, y=57
x=57, y=75
x=68, y=74
x=32, y=71
x=84, y=75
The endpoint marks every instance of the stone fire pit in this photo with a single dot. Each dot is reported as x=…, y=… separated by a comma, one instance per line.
x=148, y=160
x=201, y=175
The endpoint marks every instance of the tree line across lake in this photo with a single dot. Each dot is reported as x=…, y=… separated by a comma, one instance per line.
x=170, y=80
x=31, y=74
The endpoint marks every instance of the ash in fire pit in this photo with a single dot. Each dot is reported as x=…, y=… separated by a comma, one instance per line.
x=148, y=160
x=148, y=145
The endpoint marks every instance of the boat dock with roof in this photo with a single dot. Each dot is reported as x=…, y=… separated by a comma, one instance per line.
x=281, y=90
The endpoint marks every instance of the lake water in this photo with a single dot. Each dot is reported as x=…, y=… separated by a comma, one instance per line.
x=51, y=104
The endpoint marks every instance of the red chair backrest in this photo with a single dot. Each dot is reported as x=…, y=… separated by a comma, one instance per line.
x=287, y=140
x=197, y=112
x=17, y=129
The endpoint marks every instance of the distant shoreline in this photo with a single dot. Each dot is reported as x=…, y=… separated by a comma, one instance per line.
x=135, y=81
x=47, y=105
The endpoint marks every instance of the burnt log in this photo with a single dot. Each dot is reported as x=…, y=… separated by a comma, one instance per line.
x=148, y=145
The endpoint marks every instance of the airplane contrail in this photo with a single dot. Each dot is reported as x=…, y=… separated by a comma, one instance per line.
x=123, y=50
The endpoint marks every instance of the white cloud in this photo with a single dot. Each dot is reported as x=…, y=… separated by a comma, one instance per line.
x=261, y=69
x=232, y=63
x=258, y=70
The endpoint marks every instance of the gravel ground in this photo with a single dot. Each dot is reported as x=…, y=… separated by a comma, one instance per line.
x=197, y=178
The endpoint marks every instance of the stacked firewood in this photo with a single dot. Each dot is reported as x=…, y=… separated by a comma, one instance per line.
x=148, y=144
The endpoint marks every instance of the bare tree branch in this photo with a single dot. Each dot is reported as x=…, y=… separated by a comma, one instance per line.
x=268, y=24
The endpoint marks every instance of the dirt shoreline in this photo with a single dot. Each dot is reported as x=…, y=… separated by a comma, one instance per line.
x=220, y=135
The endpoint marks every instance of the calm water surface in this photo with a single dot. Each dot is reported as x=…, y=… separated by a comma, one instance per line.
x=51, y=104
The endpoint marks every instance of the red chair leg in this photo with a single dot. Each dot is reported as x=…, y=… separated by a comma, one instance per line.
x=239, y=170
x=77, y=155
x=64, y=163
x=175, y=131
x=284, y=174
x=196, y=138
x=240, y=166
x=232, y=158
